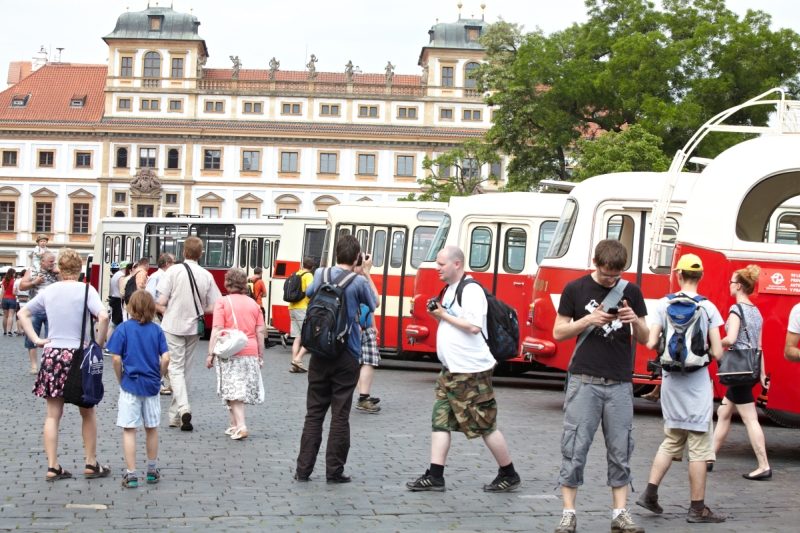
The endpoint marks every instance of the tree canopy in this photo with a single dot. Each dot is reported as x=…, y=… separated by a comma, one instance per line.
x=630, y=150
x=668, y=70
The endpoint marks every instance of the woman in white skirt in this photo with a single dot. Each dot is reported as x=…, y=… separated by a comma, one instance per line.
x=239, y=376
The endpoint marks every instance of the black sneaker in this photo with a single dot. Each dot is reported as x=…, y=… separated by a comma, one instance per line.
x=427, y=482
x=300, y=478
x=649, y=503
x=503, y=483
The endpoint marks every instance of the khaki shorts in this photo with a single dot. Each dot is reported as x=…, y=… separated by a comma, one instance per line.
x=465, y=403
x=699, y=443
x=297, y=316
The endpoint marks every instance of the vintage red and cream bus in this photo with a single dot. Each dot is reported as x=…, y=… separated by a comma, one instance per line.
x=745, y=209
x=397, y=236
x=244, y=243
x=617, y=206
x=504, y=237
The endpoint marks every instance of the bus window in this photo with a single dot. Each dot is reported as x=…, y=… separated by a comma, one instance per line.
x=761, y=203
x=137, y=248
x=243, y=254
x=621, y=228
x=514, y=253
x=117, y=254
x=312, y=247
x=218, y=243
x=362, y=236
x=480, y=248
x=546, y=231
x=396, y=259
x=277, y=245
x=423, y=237
x=788, y=229
x=668, y=236
x=253, y=253
x=344, y=231
x=128, y=249
x=379, y=248
x=267, y=255
x=107, y=251
x=563, y=232
x=439, y=239
x=163, y=238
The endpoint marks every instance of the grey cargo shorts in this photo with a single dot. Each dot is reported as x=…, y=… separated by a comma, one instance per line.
x=587, y=405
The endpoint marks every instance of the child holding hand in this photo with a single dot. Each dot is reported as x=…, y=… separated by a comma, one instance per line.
x=141, y=358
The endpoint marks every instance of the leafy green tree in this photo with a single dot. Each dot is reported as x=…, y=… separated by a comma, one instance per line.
x=632, y=149
x=668, y=70
x=458, y=172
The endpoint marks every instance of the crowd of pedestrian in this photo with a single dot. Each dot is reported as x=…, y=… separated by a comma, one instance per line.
x=157, y=321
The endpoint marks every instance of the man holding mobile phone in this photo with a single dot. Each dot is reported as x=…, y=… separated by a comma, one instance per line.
x=604, y=312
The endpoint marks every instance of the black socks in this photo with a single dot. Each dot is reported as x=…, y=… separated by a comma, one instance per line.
x=437, y=471
x=698, y=505
x=652, y=491
x=362, y=397
x=508, y=470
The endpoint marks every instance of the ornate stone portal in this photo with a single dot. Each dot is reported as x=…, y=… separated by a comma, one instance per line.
x=145, y=192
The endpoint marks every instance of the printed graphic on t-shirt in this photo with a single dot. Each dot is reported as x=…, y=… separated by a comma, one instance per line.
x=608, y=329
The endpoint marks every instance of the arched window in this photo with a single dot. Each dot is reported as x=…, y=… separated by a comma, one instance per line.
x=469, y=82
x=322, y=203
x=122, y=158
x=152, y=65
x=173, y=158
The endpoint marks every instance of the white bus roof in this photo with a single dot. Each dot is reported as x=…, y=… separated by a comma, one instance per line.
x=630, y=186
x=277, y=221
x=524, y=204
x=712, y=211
x=384, y=212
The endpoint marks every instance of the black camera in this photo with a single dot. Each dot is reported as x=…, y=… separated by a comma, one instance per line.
x=432, y=304
x=361, y=259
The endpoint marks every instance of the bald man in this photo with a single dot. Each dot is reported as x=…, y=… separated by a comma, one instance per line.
x=464, y=395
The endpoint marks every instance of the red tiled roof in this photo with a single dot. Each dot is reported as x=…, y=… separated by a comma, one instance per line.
x=17, y=70
x=51, y=88
x=296, y=127
x=302, y=75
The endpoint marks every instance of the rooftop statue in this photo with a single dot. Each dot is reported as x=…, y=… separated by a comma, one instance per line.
x=389, y=73
x=348, y=71
x=274, y=65
x=312, y=68
x=236, y=65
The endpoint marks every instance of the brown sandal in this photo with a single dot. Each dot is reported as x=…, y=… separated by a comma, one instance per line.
x=97, y=471
x=59, y=472
x=298, y=367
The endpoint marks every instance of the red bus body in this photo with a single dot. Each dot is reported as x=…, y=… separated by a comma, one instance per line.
x=503, y=237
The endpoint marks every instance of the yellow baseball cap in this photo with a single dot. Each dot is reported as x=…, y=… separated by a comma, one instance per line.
x=689, y=263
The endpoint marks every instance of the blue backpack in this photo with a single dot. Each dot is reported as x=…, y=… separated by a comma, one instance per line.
x=684, y=340
x=325, y=330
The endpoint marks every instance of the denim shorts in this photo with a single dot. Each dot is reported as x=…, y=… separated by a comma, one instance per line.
x=37, y=321
x=9, y=304
x=135, y=410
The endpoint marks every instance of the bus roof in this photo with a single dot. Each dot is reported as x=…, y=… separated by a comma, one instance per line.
x=389, y=211
x=194, y=220
x=525, y=204
x=630, y=186
x=731, y=204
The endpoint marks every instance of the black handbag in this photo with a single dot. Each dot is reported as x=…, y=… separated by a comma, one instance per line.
x=73, y=386
x=741, y=367
x=201, y=319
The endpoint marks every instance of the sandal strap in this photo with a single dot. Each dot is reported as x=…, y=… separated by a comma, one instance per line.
x=95, y=468
x=58, y=471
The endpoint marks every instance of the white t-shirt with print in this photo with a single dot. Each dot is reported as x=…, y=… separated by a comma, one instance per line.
x=461, y=352
x=687, y=401
x=794, y=319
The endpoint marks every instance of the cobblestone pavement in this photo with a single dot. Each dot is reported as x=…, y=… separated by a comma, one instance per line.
x=211, y=482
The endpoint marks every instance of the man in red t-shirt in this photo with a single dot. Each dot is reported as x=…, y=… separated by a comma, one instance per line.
x=259, y=289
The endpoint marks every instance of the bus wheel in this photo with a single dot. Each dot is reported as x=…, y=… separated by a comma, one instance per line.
x=783, y=418
x=642, y=388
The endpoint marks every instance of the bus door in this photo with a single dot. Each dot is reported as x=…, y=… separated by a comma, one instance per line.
x=313, y=241
x=388, y=246
x=118, y=247
x=259, y=252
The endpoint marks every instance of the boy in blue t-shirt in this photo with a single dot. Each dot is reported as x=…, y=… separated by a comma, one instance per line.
x=141, y=358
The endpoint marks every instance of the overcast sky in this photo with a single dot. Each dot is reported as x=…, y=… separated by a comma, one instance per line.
x=368, y=32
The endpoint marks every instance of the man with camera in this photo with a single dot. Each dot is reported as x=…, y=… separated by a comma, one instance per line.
x=687, y=403
x=465, y=399
x=603, y=311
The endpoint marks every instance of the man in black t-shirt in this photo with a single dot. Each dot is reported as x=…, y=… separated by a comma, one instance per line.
x=599, y=388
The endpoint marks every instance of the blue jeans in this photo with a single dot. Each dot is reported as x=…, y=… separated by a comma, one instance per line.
x=37, y=320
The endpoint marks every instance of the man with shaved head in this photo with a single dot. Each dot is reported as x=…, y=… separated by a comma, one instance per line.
x=464, y=395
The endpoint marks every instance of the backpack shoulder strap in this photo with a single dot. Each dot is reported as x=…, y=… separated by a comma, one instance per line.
x=463, y=283
x=326, y=275
x=344, y=279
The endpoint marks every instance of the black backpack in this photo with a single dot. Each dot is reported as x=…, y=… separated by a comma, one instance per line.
x=130, y=287
x=325, y=329
x=293, y=288
x=501, y=322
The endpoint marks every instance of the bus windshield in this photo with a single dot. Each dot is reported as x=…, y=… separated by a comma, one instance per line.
x=164, y=238
x=563, y=233
x=439, y=239
x=219, y=241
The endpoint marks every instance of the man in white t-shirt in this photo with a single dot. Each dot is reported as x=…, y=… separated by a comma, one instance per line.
x=791, y=352
x=687, y=403
x=464, y=395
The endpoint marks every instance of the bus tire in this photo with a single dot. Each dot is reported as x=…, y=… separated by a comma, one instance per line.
x=783, y=418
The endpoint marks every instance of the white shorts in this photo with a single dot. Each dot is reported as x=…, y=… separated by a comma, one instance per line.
x=297, y=316
x=136, y=410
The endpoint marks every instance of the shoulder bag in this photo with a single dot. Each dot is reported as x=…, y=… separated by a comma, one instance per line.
x=201, y=319
x=84, y=384
x=742, y=366
x=230, y=341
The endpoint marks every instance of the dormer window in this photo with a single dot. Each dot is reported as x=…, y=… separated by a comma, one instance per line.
x=20, y=101
x=77, y=101
x=473, y=34
x=155, y=23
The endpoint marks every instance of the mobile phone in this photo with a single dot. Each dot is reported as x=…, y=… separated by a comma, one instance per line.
x=613, y=311
x=360, y=260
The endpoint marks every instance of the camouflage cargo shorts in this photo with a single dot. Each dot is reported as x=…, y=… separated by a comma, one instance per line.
x=465, y=403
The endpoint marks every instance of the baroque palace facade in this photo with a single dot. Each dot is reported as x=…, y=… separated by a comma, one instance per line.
x=154, y=133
